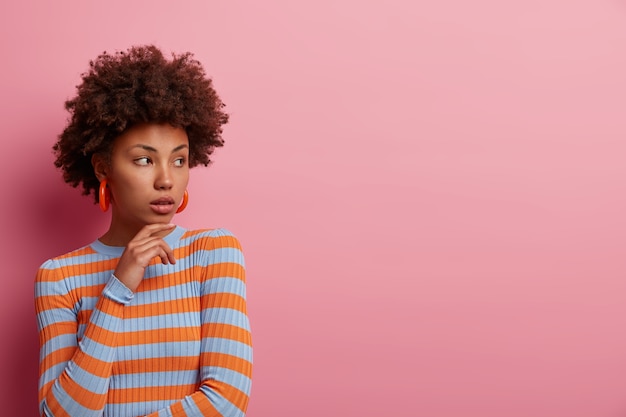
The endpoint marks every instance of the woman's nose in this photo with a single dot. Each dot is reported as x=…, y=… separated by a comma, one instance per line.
x=163, y=180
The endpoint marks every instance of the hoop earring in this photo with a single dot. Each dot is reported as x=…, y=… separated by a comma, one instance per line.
x=184, y=202
x=104, y=196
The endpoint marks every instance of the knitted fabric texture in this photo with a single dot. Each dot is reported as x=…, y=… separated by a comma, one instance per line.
x=179, y=346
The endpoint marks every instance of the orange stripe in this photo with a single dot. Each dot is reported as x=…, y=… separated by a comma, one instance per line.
x=55, y=407
x=226, y=269
x=47, y=275
x=191, y=274
x=224, y=360
x=180, y=305
x=210, y=242
x=203, y=404
x=226, y=331
x=83, y=316
x=190, y=233
x=178, y=410
x=81, y=395
x=163, y=364
x=101, y=335
x=203, y=243
x=174, y=334
x=87, y=291
x=57, y=329
x=224, y=300
x=232, y=394
x=159, y=282
x=110, y=307
x=84, y=361
x=88, y=267
x=93, y=365
x=218, y=242
x=87, y=250
x=49, y=302
x=44, y=390
x=56, y=357
x=114, y=310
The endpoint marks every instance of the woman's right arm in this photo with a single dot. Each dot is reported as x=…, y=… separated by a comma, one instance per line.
x=74, y=375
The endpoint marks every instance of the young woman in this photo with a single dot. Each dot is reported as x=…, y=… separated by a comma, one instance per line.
x=149, y=319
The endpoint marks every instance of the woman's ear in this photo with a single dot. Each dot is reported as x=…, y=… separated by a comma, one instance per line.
x=100, y=166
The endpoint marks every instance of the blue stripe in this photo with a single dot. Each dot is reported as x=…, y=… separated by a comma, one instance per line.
x=70, y=406
x=204, y=258
x=226, y=316
x=163, y=321
x=96, y=350
x=225, y=407
x=89, y=381
x=52, y=373
x=200, y=257
x=83, y=259
x=55, y=315
x=212, y=234
x=224, y=285
x=155, y=379
x=58, y=342
x=190, y=407
x=136, y=408
x=228, y=347
x=156, y=350
x=233, y=378
x=72, y=282
x=190, y=290
x=221, y=255
x=174, y=292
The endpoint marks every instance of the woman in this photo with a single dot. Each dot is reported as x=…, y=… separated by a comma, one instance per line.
x=149, y=319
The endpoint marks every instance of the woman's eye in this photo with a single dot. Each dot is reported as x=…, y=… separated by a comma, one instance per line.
x=179, y=162
x=142, y=161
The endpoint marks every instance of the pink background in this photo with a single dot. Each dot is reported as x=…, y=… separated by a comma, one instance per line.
x=430, y=194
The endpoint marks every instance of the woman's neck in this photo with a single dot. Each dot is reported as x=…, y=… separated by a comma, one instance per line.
x=120, y=234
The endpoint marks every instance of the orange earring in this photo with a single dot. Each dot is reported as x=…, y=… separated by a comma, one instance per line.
x=104, y=196
x=184, y=202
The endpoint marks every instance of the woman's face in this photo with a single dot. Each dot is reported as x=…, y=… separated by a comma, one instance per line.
x=147, y=174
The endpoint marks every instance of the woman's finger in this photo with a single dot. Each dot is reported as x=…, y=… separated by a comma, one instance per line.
x=153, y=229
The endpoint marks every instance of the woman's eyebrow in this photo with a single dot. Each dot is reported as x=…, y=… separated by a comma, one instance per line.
x=151, y=149
x=178, y=148
x=145, y=147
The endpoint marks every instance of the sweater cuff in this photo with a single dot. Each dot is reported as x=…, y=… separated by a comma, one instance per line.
x=117, y=291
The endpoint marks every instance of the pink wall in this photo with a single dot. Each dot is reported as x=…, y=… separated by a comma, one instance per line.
x=431, y=194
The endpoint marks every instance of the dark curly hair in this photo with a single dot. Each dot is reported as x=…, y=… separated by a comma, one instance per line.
x=137, y=86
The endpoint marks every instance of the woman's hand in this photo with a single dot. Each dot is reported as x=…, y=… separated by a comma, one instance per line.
x=140, y=251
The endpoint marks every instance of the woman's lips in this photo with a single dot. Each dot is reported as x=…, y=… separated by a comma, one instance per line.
x=163, y=205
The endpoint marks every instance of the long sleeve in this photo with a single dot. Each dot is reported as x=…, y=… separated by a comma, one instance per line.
x=74, y=374
x=226, y=349
x=179, y=346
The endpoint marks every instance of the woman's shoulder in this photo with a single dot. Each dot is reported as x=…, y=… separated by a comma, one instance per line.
x=55, y=269
x=210, y=238
x=68, y=258
x=215, y=233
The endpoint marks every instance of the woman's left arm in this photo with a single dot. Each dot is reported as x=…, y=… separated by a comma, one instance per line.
x=226, y=347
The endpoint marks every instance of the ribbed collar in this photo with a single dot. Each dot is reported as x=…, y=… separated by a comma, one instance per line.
x=171, y=239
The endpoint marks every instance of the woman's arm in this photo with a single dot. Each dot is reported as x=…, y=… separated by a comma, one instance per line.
x=226, y=348
x=74, y=376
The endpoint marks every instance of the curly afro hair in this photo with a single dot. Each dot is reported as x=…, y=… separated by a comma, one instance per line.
x=137, y=86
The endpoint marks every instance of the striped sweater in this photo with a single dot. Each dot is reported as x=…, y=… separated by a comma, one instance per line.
x=179, y=346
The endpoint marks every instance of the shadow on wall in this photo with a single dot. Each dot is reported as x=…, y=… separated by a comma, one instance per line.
x=47, y=219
